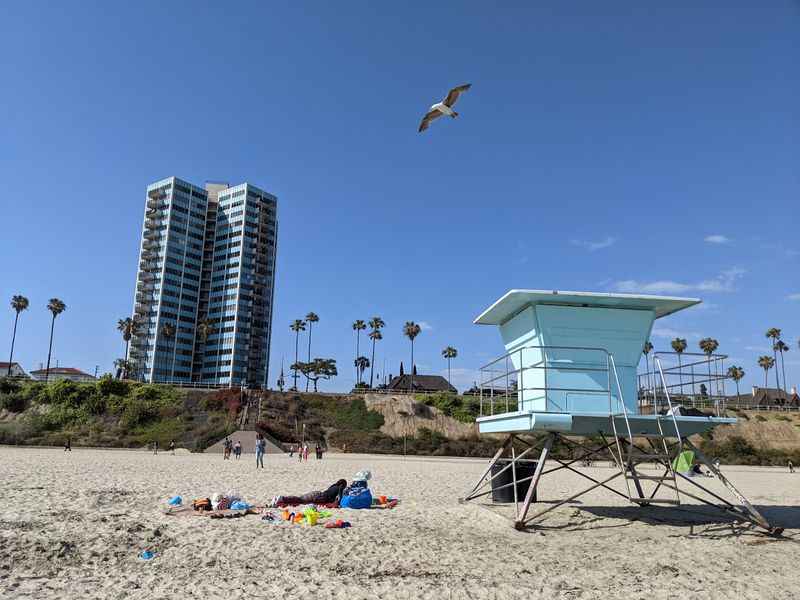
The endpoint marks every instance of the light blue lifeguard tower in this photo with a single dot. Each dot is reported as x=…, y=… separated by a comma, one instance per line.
x=570, y=374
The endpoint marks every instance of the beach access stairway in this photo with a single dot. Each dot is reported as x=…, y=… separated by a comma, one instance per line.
x=248, y=440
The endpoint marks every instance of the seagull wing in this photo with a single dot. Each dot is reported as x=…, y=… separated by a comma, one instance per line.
x=453, y=94
x=426, y=120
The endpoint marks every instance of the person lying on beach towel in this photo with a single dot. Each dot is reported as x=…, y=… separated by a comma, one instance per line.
x=332, y=495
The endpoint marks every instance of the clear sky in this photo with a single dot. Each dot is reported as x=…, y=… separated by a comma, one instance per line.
x=606, y=146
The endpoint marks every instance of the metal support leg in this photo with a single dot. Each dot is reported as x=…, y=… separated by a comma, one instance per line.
x=520, y=522
x=756, y=516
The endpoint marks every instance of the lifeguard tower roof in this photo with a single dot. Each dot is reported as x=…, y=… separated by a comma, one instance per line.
x=514, y=301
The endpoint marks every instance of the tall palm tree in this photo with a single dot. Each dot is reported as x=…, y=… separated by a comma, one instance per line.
x=297, y=326
x=374, y=335
x=376, y=323
x=361, y=364
x=781, y=347
x=311, y=318
x=411, y=330
x=18, y=303
x=449, y=353
x=678, y=346
x=358, y=327
x=736, y=373
x=766, y=363
x=646, y=350
x=128, y=328
x=168, y=332
x=774, y=334
x=709, y=346
x=56, y=307
x=204, y=329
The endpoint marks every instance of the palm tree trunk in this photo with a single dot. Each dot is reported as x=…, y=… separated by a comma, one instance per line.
x=411, y=385
x=310, y=325
x=296, y=355
x=50, y=350
x=13, y=339
x=736, y=381
x=448, y=370
x=777, y=379
x=358, y=350
x=709, y=375
x=783, y=370
x=372, y=365
x=766, y=372
x=680, y=373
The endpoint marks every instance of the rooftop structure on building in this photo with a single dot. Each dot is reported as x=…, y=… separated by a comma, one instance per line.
x=61, y=373
x=16, y=370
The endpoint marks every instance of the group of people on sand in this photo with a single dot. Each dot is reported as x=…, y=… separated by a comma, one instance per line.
x=303, y=451
x=229, y=448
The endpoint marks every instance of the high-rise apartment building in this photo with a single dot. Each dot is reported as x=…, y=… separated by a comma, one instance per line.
x=205, y=284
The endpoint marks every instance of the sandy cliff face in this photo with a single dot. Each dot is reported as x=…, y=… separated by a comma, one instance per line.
x=403, y=416
x=778, y=430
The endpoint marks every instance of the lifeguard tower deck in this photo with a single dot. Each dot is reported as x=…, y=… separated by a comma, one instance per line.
x=570, y=373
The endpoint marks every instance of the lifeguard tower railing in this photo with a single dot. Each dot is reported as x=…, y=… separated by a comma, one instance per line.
x=538, y=377
x=688, y=379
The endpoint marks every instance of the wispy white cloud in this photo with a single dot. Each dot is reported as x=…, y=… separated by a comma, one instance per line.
x=594, y=246
x=793, y=296
x=666, y=332
x=425, y=326
x=724, y=282
x=717, y=239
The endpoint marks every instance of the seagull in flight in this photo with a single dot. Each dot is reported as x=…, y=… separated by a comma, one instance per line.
x=445, y=107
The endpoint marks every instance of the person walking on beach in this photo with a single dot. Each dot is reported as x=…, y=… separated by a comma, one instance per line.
x=155, y=447
x=300, y=452
x=318, y=451
x=305, y=453
x=237, y=449
x=226, y=449
x=261, y=445
x=791, y=467
x=172, y=447
x=68, y=446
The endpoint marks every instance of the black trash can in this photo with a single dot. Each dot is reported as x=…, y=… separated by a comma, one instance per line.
x=524, y=468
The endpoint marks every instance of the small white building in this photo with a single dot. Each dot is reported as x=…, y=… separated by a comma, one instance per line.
x=59, y=373
x=16, y=370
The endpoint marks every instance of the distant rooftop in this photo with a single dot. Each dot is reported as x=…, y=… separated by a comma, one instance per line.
x=516, y=300
x=61, y=370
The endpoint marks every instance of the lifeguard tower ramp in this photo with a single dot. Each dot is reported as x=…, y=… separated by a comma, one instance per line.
x=570, y=374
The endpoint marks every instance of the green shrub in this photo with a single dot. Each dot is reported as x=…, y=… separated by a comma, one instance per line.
x=761, y=419
x=108, y=386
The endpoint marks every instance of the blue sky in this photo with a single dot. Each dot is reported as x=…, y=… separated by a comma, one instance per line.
x=616, y=146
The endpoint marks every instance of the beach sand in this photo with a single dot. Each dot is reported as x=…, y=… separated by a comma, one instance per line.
x=72, y=525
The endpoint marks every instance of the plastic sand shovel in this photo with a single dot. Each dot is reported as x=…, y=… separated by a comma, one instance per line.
x=147, y=555
x=175, y=501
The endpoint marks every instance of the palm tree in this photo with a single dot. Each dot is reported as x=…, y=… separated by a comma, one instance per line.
x=411, y=330
x=646, y=350
x=168, y=332
x=736, y=373
x=781, y=347
x=18, y=303
x=311, y=318
x=128, y=328
x=361, y=363
x=297, y=326
x=449, y=353
x=709, y=346
x=679, y=345
x=774, y=334
x=376, y=323
x=766, y=363
x=204, y=329
x=358, y=327
x=56, y=307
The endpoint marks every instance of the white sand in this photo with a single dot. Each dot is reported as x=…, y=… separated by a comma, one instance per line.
x=71, y=526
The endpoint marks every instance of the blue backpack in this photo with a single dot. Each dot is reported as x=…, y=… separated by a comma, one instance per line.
x=356, y=496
